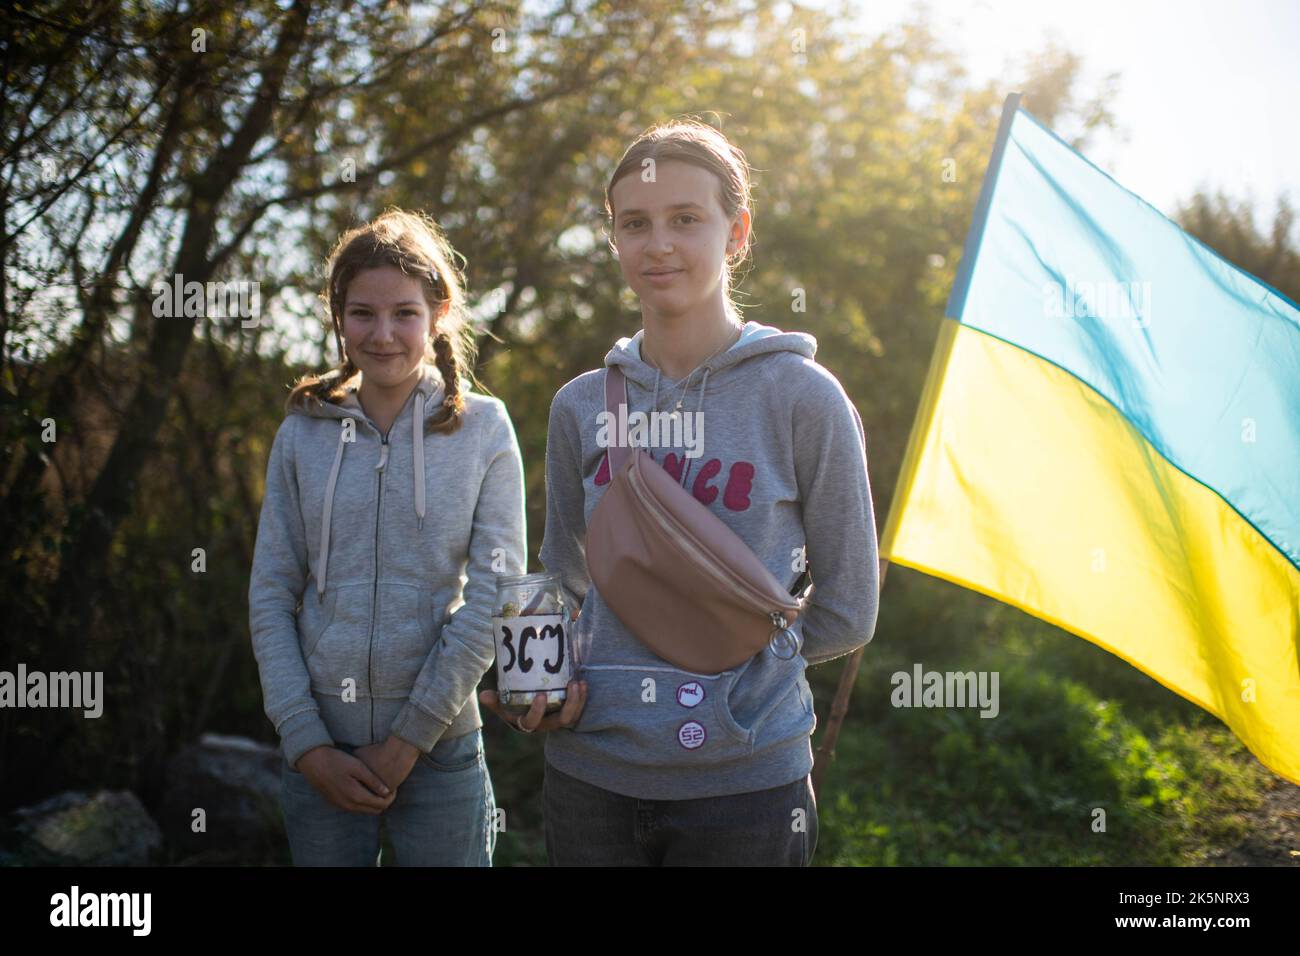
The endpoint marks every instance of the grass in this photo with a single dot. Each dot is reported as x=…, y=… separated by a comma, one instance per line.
x=1089, y=761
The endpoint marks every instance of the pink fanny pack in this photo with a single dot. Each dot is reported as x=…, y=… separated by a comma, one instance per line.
x=679, y=579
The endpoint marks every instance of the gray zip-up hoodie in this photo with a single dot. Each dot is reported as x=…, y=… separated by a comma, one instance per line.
x=374, y=573
x=783, y=464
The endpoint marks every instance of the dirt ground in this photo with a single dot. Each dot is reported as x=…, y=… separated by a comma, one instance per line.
x=1274, y=838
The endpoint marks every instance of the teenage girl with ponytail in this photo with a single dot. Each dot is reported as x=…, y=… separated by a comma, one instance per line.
x=661, y=766
x=394, y=496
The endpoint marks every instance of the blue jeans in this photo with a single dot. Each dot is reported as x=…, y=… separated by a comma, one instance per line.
x=590, y=826
x=442, y=815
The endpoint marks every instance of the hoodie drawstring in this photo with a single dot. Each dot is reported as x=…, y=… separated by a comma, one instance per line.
x=699, y=413
x=417, y=442
x=329, y=507
x=699, y=408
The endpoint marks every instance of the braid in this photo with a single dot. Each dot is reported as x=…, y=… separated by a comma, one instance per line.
x=321, y=388
x=330, y=385
x=453, y=404
x=346, y=371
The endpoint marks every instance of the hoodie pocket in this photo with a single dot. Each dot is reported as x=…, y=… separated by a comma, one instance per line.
x=315, y=615
x=662, y=714
x=403, y=638
x=338, y=652
x=806, y=698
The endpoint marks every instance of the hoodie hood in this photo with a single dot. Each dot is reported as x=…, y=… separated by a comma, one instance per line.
x=429, y=385
x=427, y=397
x=755, y=339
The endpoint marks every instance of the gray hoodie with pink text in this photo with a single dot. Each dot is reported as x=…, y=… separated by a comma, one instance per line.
x=782, y=461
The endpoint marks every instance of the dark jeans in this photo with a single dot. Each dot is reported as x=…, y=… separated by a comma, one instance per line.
x=590, y=826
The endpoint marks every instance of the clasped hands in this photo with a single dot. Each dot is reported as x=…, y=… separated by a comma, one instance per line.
x=364, y=781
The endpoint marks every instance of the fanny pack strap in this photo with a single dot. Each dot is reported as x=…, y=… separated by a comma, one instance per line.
x=616, y=395
x=618, y=451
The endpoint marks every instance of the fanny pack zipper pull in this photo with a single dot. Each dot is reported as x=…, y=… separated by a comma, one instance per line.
x=784, y=643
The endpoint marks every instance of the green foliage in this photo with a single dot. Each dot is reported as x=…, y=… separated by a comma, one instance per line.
x=1078, y=731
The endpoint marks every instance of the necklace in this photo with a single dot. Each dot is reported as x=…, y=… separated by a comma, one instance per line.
x=678, y=407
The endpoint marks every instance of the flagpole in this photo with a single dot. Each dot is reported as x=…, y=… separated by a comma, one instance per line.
x=975, y=235
x=920, y=425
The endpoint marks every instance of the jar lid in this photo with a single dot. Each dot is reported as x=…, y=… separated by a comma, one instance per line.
x=537, y=577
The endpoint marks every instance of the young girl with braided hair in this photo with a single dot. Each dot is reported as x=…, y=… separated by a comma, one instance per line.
x=394, y=496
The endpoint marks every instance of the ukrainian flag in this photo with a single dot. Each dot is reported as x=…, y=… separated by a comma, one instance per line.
x=1109, y=439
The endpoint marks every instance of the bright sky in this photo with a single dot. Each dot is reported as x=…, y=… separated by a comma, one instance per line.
x=1208, y=92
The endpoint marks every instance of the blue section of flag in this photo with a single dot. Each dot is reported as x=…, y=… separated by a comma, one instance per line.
x=1201, y=357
